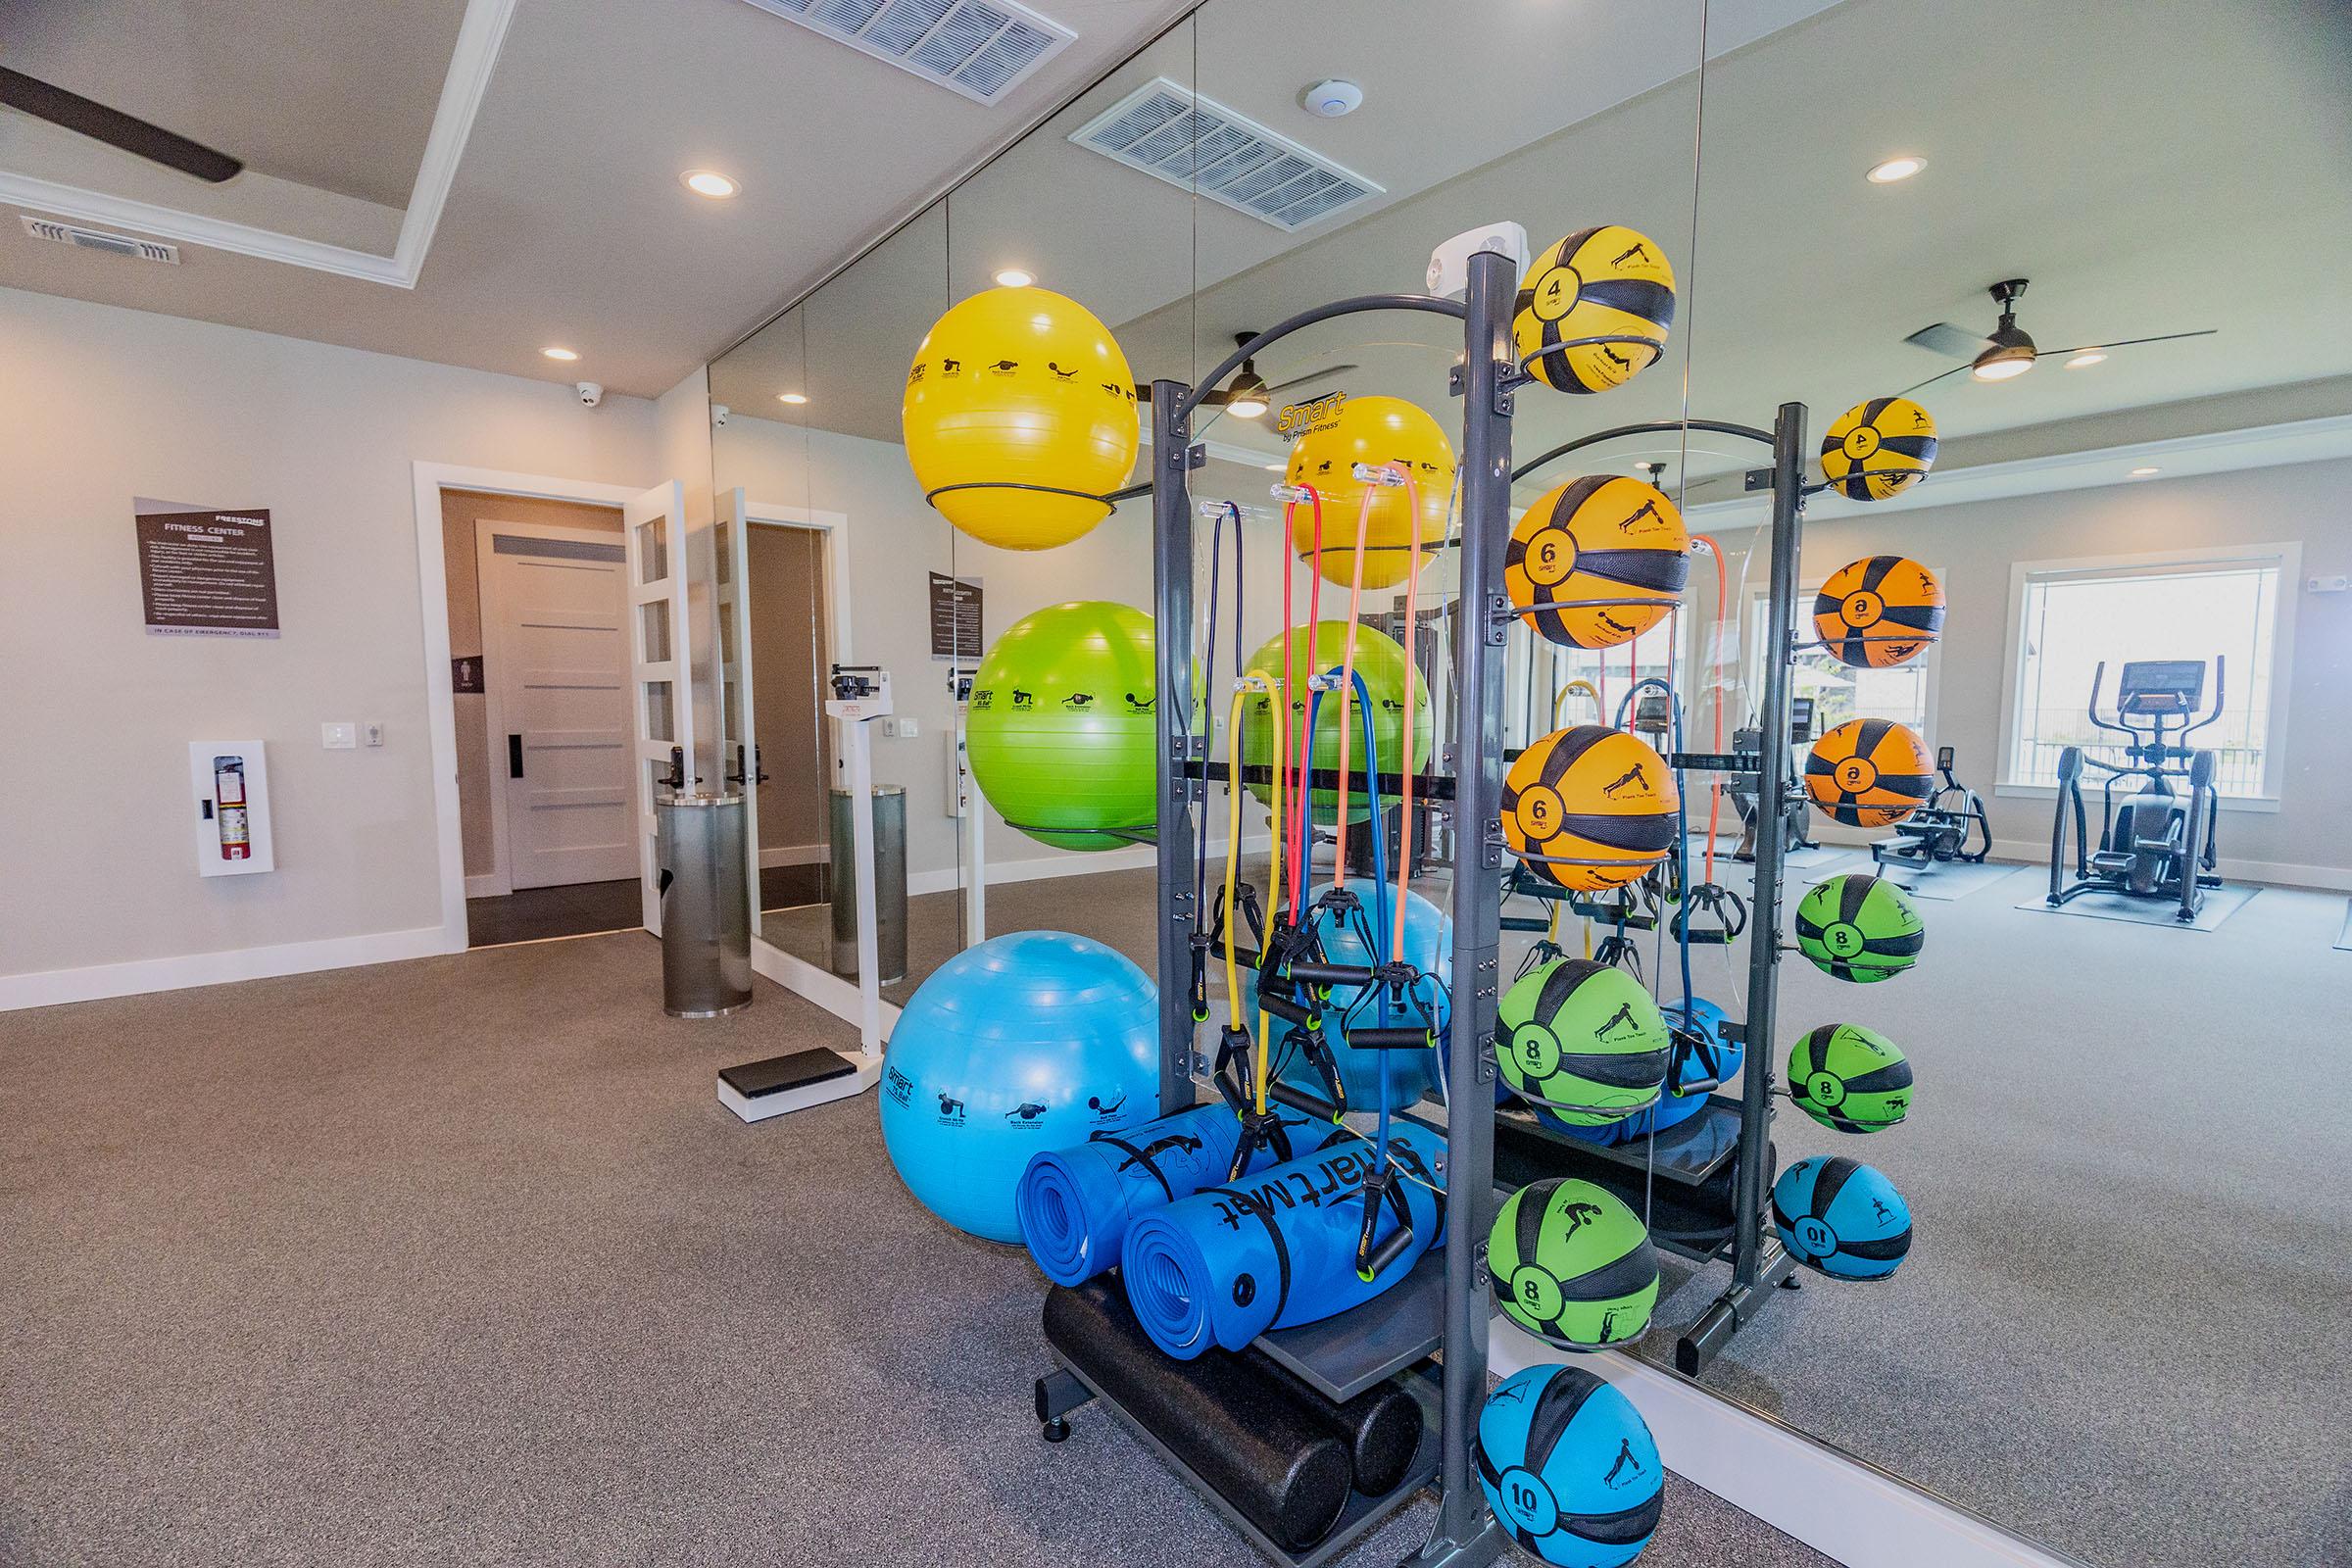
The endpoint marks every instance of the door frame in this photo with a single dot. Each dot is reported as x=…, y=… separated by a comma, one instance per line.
x=501, y=875
x=429, y=481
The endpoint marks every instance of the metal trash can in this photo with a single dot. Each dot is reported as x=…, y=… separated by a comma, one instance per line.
x=706, y=905
x=890, y=883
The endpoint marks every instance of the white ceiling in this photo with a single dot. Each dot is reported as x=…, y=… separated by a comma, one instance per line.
x=263, y=81
x=565, y=221
x=2171, y=165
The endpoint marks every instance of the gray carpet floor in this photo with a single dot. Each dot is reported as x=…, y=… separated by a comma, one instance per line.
x=460, y=1262
x=2121, y=1331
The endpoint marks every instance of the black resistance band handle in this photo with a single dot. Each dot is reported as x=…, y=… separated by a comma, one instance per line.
x=1332, y=975
x=1399, y=1037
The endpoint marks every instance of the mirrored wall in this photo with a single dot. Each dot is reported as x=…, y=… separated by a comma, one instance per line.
x=2112, y=1149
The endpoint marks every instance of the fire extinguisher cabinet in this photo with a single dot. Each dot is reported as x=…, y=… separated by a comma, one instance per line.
x=706, y=905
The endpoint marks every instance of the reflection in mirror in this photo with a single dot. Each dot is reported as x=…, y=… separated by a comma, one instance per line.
x=2036, y=225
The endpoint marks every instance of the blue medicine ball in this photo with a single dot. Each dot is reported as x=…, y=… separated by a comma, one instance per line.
x=1841, y=1217
x=1687, y=1066
x=1025, y=1043
x=1428, y=948
x=1569, y=1466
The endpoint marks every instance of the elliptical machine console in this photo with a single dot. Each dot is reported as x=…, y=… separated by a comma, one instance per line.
x=2154, y=842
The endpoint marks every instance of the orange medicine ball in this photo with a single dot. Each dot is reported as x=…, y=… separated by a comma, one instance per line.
x=1868, y=772
x=1613, y=545
x=1879, y=611
x=1588, y=807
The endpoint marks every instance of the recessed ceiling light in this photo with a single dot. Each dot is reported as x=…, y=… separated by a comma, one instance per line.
x=710, y=182
x=2144, y=472
x=1894, y=169
x=1014, y=277
x=793, y=398
x=2081, y=361
x=566, y=354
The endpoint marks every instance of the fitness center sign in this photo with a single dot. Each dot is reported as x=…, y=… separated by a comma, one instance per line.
x=205, y=574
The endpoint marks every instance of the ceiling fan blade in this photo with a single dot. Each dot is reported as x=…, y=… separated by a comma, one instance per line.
x=1324, y=375
x=2129, y=342
x=1946, y=338
x=1932, y=379
x=88, y=118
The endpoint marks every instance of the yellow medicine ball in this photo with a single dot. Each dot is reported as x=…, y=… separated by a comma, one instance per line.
x=1329, y=437
x=1610, y=281
x=1610, y=544
x=1020, y=386
x=1878, y=447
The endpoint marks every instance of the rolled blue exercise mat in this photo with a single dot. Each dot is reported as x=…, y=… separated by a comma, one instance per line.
x=1278, y=1248
x=1075, y=1204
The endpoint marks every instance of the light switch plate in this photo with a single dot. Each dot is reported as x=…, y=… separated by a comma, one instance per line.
x=338, y=737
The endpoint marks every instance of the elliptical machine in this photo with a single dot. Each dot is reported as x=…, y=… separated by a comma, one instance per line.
x=2155, y=843
x=1941, y=831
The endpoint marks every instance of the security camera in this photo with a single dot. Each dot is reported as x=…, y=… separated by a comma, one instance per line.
x=718, y=416
x=591, y=392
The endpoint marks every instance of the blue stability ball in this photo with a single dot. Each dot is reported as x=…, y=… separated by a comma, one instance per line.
x=1841, y=1217
x=1428, y=948
x=1028, y=1042
x=1569, y=1466
x=1689, y=1067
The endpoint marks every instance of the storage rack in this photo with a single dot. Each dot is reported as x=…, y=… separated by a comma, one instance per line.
x=1443, y=1304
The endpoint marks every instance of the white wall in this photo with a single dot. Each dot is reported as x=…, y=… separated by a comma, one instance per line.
x=1973, y=544
x=99, y=405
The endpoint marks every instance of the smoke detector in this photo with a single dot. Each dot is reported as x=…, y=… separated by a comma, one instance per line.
x=1332, y=99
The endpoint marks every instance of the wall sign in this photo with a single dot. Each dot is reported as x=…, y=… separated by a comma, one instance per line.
x=955, y=619
x=205, y=574
x=465, y=675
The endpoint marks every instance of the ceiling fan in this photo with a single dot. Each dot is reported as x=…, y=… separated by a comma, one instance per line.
x=2010, y=351
x=87, y=117
x=1250, y=397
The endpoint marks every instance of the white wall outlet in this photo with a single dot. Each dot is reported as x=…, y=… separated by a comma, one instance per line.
x=371, y=733
x=338, y=737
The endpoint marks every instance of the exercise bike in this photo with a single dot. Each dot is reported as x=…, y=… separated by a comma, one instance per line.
x=2155, y=843
x=1939, y=832
x=1796, y=813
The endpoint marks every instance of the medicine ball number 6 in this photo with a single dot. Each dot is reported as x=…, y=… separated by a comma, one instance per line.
x=1550, y=557
x=1540, y=810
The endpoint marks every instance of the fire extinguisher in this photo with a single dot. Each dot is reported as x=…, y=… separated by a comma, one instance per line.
x=228, y=796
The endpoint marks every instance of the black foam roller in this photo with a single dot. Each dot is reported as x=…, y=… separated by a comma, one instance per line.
x=1381, y=1426
x=1238, y=1430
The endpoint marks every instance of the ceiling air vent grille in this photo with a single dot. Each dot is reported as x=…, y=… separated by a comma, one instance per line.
x=981, y=48
x=1198, y=143
x=98, y=239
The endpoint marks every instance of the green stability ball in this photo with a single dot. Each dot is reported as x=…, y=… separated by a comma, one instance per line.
x=1060, y=730
x=1572, y=1264
x=1583, y=1040
x=1849, y=1078
x=1859, y=927
x=1381, y=663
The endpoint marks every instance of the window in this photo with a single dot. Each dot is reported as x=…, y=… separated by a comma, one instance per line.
x=2073, y=616
x=1904, y=693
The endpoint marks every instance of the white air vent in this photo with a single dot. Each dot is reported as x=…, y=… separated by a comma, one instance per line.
x=1195, y=143
x=98, y=239
x=981, y=48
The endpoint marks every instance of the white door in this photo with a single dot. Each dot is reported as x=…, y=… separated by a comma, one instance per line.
x=662, y=707
x=557, y=678
x=739, y=739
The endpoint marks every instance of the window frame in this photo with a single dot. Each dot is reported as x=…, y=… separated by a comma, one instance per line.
x=2285, y=557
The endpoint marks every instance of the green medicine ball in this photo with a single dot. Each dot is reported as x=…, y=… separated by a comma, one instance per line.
x=1858, y=927
x=1060, y=730
x=1849, y=1078
x=1381, y=663
x=1584, y=1040
x=1573, y=1265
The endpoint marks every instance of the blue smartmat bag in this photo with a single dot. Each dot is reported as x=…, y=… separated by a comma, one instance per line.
x=1278, y=1248
x=1075, y=1204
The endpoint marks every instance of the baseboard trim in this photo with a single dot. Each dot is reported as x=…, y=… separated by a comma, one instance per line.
x=49, y=988
x=793, y=854
x=1851, y=1512
x=487, y=885
x=2271, y=873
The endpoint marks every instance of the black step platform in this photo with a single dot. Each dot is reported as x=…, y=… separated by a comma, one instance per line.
x=795, y=1069
x=1682, y=1179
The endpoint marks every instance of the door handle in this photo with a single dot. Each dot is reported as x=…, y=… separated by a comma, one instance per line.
x=514, y=757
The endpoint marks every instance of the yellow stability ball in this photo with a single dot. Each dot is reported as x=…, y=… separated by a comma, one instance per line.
x=1329, y=437
x=1020, y=386
x=1610, y=281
